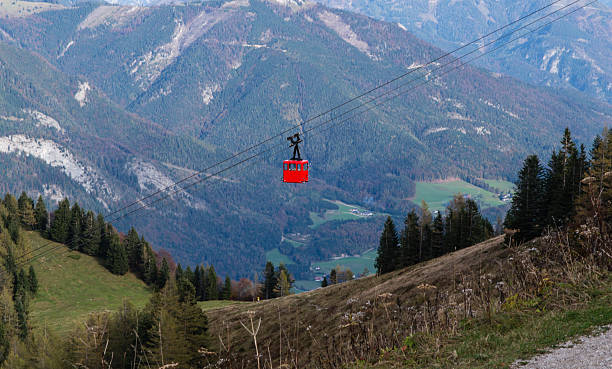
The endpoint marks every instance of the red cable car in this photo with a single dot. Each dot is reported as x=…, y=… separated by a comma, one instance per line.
x=295, y=170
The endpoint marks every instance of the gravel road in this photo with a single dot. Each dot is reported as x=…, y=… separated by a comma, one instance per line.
x=589, y=352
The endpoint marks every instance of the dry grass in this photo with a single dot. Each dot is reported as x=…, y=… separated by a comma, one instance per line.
x=422, y=316
x=300, y=326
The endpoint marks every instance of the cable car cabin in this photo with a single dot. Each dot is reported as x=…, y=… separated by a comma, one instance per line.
x=295, y=171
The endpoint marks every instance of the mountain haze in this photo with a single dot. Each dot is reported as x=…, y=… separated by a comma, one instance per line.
x=113, y=102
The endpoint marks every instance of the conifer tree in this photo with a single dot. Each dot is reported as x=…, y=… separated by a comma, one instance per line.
x=197, y=279
x=32, y=281
x=203, y=288
x=227, y=289
x=324, y=282
x=186, y=290
x=387, y=249
x=41, y=215
x=269, y=281
x=74, y=230
x=164, y=274
x=61, y=222
x=212, y=290
x=90, y=234
x=26, y=211
x=527, y=213
x=178, y=273
x=425, y=223
x=409, y=242
x=150, y=269
x=595, y=203
x=105, y=236
x=117, y=261
x=133, y=247
x=437, y=237
x=10, y=203
x=333, y=277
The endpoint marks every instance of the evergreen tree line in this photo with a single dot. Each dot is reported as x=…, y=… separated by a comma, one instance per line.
x=203, y=283
x=277, y=282
x=425, y=237
x=90, y=234
x=18, y=286
x=572, y=188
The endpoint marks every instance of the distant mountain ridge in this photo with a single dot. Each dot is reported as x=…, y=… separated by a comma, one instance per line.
x=572, y=53
x=144, y=96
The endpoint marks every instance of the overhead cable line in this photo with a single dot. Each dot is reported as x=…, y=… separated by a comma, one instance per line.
x=331, y=120
x=331, y=109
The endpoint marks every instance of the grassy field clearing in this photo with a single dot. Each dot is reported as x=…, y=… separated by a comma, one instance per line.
x=355, y=263
x=438, y=195
x=72, y=285
x=276, y=257
x=502, y=186
x=343, y=213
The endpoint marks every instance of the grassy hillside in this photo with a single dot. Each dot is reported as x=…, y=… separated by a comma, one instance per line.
x=438, y=194
x=72, y=285
x=439, y=308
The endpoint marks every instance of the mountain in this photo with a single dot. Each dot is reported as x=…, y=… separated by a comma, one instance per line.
x=110, y=103
x=571, y=53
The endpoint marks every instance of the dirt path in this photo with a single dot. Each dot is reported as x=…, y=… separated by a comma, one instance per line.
x=590, y=352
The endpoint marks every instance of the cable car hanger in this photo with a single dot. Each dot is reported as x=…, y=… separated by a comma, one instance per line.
x=295, y=170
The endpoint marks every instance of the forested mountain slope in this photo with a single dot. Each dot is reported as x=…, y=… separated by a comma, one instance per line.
x=143, y=96
x=572, y=53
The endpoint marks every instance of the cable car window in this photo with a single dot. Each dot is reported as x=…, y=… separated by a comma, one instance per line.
x=306, y=166
x=299, y=167
x=285, y=166
x=292, y=166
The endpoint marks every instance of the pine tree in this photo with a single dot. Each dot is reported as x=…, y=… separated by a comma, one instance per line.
x=212, y=291
x=90, y=234
x=74, y=230
x=324, y=282
x=333, y=277
x=437, y=237
x=41, y=215
x=26, y=211
x=117, y=261
x=203, y=289
x=178, y=273
x=133, y=247
x=105, y=231
x=425, y=223
x=61, y=222
x=10, y=203
x=227, y=289
x=562, y=183
x=150, y=270
x=32, y=281
x=186, y=290
x=164, y=274
x=387, y=249
x=595, y=203
x=527, y=213
x=409, y=242
x=269, y=281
